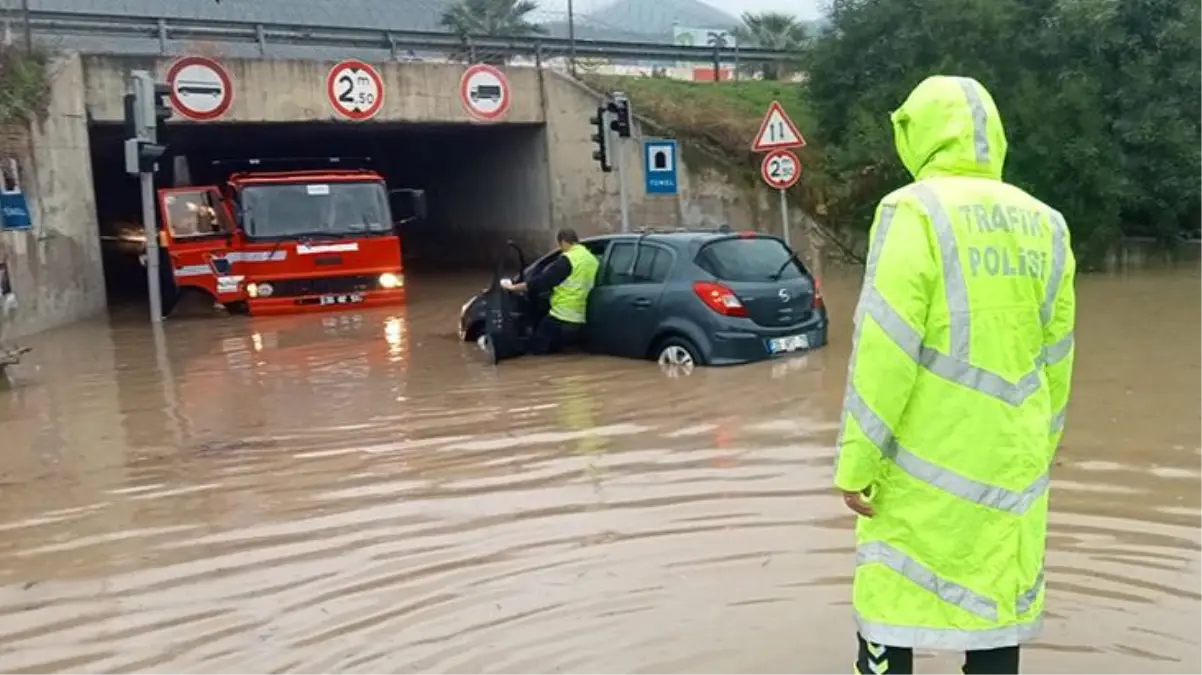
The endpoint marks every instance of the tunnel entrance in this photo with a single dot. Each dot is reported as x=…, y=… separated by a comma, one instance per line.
x=484, y=184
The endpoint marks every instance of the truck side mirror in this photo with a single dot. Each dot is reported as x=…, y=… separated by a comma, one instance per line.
x=407, y=205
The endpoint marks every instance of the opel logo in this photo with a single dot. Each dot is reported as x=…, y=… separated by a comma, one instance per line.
x=784, y=295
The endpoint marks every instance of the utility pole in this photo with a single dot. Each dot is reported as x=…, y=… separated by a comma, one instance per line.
x=144, y=107
x=571, y=39
x=28, y=26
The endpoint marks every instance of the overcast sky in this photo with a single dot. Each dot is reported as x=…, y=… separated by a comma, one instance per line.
x=803, y=9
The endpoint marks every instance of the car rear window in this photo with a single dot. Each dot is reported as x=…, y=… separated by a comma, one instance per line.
x=748, y=259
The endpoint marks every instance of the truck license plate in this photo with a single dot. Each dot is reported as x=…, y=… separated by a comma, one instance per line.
x=341, y=299
x=789, y=343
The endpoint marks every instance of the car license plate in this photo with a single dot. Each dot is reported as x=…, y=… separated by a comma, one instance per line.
x=791, y=343
x=341, y=299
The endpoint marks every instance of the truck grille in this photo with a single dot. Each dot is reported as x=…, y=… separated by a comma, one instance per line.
x=323, y=285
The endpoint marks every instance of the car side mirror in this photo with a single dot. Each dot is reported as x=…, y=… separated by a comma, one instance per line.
x=408, y=205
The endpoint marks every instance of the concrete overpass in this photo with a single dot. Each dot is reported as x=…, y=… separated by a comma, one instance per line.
x=519, y=177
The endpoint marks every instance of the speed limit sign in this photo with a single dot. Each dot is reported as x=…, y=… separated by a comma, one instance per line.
x=355, y=90
x=780, y=169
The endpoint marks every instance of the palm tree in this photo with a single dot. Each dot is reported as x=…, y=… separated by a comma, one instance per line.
x=493, y=18
x=772, y=30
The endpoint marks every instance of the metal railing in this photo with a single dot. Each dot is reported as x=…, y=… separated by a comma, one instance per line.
x=78, y=30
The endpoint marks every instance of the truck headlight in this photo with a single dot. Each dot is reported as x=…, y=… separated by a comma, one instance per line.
x=263, y=290
x=389, y=280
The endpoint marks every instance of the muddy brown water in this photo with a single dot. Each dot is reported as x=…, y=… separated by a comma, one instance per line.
x=359, y=492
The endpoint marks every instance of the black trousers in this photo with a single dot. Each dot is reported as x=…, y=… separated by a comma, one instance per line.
x=877, y=659
x=552, y=335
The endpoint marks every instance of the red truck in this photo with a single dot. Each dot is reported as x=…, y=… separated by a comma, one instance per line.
x=274, y=242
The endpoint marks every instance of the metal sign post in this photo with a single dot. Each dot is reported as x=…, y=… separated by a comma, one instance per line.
x=784, y=217
x=780, y=169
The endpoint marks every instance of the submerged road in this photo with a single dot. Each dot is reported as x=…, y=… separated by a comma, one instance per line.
x=360, y=492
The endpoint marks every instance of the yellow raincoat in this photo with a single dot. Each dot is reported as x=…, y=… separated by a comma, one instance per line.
x=957, y=387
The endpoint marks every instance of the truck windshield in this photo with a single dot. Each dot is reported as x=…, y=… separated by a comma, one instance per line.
x=314, y=209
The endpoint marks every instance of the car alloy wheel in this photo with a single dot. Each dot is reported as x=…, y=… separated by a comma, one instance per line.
x=674, y=360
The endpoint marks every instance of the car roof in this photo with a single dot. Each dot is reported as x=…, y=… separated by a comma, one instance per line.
x=672, y=237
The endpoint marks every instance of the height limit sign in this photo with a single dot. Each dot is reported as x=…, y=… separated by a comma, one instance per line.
x=355, y=90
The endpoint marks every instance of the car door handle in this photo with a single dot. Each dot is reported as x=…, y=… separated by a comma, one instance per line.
x=641, y=302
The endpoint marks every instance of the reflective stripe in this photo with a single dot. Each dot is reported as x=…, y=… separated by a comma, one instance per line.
x=932, y=474
x=194, y=270
x=867, y=290
x=959, y=316
x=256, y=256
x=1058, y=351
x=1059, y=253
x=980, y=135
x=1058, y=421
x=569, y=315
x=906, y=337
x=1027, y=599
x=878, y=552
x=951, y=639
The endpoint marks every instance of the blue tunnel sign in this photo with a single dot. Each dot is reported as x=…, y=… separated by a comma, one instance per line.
x=659, y=167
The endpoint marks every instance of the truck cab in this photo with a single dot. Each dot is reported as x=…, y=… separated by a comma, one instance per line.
x=288, y=241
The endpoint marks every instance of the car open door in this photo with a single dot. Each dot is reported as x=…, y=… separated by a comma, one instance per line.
x=506, y=338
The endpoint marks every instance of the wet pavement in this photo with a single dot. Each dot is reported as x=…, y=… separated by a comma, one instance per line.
x=360, y=492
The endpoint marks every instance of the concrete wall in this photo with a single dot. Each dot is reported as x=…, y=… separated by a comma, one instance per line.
x=56, y=268
x=712, y=193
x=277, y=90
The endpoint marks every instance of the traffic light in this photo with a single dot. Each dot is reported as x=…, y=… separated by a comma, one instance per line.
x=620, y=107
x=141, y=157
x=146, y=110
x=162, y=110
x=601, y=154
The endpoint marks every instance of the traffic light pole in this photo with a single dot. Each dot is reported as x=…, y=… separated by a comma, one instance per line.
x=619, y=168
x=612, y=124
x=145, y=106
x=152, y=247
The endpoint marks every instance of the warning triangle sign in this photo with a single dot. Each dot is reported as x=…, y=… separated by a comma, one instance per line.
x=777, y=131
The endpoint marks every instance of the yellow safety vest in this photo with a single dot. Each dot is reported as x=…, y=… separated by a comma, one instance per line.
x=569, y=300
x=959, y=378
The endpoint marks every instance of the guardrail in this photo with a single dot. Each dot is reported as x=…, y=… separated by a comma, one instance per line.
x=65, y=25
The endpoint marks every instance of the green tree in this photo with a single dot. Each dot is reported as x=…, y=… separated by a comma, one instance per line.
x=491, y=18
x=1099, y=98
x=772, y=30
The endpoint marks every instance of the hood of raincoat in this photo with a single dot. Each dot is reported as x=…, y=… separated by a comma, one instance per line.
x=949, y=126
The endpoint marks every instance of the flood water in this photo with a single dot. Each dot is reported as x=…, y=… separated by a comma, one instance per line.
x=359, y=492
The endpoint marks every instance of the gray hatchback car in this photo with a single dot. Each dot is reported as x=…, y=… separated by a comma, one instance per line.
x=688, y=298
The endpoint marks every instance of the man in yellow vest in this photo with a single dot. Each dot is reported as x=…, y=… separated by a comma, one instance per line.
x=956, y=393
x=569, y=278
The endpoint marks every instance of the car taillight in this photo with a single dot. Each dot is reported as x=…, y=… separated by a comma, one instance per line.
x=819, y=303
x=719, y=298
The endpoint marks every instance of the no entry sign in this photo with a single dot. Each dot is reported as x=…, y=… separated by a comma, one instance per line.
x=201, y=88
x=355, y=90
x=484, y=92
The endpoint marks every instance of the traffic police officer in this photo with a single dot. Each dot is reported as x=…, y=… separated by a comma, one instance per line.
x=570, y=279
x=956, y=393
